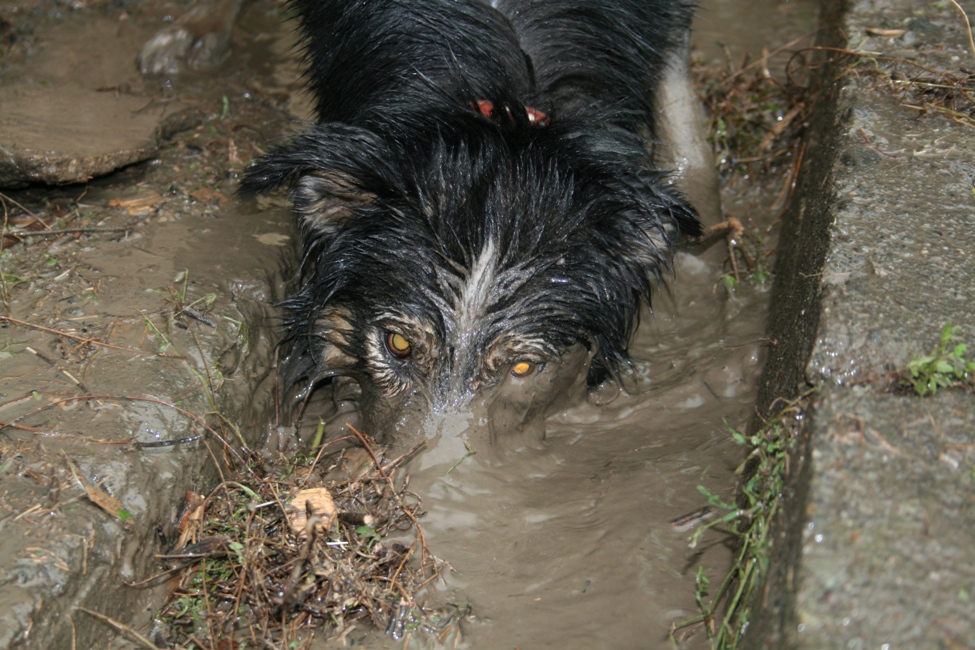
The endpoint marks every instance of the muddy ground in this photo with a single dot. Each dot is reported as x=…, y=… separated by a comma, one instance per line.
x=138, y=336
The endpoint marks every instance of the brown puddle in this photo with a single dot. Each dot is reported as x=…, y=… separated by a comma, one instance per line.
x=736, y=28
x=571, y=545
x=567, y=545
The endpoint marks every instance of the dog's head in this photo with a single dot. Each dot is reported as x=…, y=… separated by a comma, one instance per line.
x=489, y=267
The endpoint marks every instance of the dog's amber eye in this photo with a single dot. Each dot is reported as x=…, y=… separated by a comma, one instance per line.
x=522, y=369
x=397, y=345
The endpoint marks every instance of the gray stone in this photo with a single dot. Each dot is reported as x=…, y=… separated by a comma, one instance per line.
x=61, y=134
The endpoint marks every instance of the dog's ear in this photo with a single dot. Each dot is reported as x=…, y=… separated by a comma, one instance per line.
x=323, y=199
x=332, y=170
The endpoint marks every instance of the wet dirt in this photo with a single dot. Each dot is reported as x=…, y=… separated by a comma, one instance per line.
x=150, y=290
x=567, y=544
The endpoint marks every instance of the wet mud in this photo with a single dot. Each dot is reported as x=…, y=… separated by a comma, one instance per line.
x=150, y=290
x=566, y=543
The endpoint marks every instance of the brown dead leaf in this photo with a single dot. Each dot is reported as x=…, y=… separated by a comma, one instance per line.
x=877, y=31
x=190, y=517
x=316, y=501
x=209, y=196
x=138, y=205
x=192, y=511
x=105, y=501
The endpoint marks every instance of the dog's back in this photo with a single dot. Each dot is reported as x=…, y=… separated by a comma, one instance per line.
x=377, y=61
x=597, y=55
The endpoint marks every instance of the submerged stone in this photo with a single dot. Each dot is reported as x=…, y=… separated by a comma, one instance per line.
x=63, y=133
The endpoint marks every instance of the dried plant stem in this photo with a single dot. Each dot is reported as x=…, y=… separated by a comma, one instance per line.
x=83, y=339
x=968, y=26
x=137, y=638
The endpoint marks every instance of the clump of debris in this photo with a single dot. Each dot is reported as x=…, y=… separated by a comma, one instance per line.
x=757, y=118
x=757, y=122
x=281, y=553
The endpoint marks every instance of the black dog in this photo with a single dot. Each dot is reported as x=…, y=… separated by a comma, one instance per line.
x=481, y=218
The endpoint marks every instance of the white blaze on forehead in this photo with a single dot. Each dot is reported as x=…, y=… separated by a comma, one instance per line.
x=476, y=290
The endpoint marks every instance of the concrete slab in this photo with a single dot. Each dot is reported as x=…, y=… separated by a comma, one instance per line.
x=887, y=546
x=876, y=259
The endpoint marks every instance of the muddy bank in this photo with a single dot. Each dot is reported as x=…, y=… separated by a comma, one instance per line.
x=876, y=260
x=137, y=321
x=56, y=99
x=163, y=375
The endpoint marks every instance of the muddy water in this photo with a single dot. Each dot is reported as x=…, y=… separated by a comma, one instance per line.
x=570, y=545
x=737, y=28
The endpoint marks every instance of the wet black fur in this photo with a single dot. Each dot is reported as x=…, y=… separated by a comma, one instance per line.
x=401, y=183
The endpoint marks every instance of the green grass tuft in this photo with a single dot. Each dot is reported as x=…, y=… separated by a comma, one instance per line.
x=945, y=367
x=726, y=614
